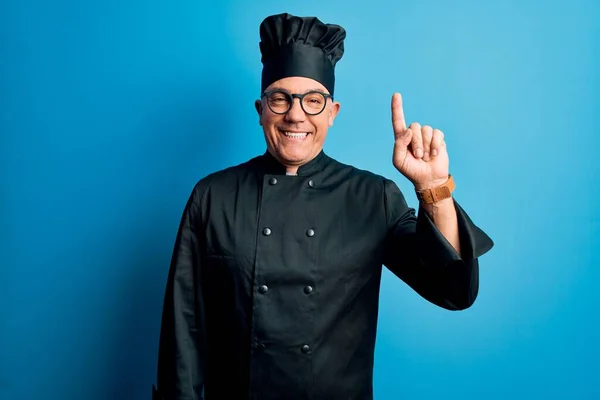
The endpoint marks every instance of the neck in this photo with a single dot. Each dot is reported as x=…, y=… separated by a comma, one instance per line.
x=295, y=169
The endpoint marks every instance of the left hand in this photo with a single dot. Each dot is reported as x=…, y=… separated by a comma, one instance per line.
x=419, y=152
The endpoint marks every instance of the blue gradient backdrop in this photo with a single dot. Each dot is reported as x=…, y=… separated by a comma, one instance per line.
x=111, y=111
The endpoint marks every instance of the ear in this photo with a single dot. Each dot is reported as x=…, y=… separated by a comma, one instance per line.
x=259, y=109
x=333, y=111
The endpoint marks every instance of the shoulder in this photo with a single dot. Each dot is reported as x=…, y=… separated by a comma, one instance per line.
x=358, y=176
x=367, y=184
x=223, y=181
x=369, y=190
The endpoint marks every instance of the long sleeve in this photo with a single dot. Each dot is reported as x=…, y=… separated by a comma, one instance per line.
x=420, y=255
x=180, y=373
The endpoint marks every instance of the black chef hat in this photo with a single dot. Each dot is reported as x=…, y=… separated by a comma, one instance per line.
x=300, y=46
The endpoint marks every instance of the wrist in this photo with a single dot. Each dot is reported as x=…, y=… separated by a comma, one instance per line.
x=435, y=190
x=420, y=186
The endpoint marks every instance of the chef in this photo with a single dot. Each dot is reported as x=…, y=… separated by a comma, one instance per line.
x=273, y=287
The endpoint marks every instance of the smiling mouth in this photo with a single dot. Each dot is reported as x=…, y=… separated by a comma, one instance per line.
x=294, y=135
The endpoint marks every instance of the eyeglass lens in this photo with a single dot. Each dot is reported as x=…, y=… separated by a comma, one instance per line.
x=312, y=102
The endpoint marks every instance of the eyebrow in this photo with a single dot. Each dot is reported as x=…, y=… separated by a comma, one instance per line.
x=306, y=91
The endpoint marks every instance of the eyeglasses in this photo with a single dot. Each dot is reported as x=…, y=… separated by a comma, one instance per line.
x=312, y=103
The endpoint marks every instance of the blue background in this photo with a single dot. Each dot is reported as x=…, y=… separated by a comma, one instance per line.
x=111, y=111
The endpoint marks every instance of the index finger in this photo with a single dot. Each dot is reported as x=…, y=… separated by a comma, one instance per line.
x=398, y=121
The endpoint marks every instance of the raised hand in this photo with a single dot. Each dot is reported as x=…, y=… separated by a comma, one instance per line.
x=419, y=151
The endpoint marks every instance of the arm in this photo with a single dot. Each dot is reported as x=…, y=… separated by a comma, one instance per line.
x=443, y=214
x=419, y=253
x=180, y=374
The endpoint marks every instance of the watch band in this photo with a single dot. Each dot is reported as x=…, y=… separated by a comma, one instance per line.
x=438, y=193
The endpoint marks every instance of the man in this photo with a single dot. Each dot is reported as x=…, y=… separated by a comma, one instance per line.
x=274, y=282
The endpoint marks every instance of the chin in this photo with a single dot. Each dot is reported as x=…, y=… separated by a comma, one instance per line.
x=293, y=152
x=293, y=156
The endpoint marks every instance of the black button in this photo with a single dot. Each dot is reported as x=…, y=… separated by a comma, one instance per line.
x=266, y=231
x=311, y=183
x=273, y=181
x=310, y=233
x=305, y=349
x=263, y=289
x=308, y=289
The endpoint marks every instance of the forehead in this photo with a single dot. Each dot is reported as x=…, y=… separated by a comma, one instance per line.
x=297, y=84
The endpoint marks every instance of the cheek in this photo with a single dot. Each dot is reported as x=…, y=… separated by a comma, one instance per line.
x=322, y=124
x=267, y=120
x=269, y=124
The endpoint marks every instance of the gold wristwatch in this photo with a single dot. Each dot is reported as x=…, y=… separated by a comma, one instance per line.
x=438, y=193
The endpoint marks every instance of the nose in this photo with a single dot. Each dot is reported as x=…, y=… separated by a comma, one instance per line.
x=295, y=113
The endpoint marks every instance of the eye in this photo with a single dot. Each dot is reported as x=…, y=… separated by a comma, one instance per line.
x=314, y=99
x=278, y=98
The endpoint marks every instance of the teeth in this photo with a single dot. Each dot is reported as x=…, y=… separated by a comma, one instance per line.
x=296, y=135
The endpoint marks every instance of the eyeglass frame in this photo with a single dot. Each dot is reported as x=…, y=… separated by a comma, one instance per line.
x=296, y=96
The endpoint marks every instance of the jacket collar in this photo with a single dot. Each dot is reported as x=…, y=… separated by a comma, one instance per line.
x=270, y=165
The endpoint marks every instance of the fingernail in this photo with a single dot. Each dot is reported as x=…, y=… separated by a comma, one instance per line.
x=434, y=152
x=426, y=155
x=419, y=153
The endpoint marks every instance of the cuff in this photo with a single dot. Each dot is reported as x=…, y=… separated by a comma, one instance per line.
x=435, y=248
